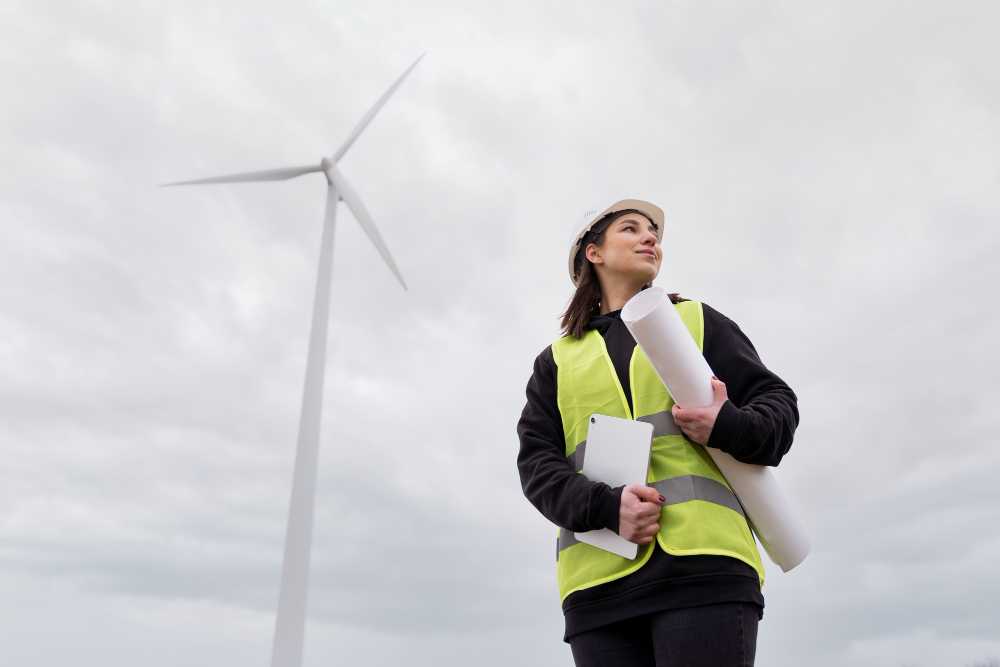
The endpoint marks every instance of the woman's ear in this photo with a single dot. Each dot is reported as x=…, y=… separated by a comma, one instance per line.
x=593, y=253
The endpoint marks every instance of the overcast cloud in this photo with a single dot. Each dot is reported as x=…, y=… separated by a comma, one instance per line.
x=830, y=177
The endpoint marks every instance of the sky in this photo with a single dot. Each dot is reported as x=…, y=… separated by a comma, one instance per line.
x=829, y=176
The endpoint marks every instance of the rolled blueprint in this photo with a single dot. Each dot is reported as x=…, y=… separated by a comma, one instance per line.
x=665, y=340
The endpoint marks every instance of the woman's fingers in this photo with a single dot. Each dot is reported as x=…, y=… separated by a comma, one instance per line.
x=643, y=501
x=682, y=416
x=640, y=513
x=642, y=535
x=720, y=390
x=646, y=518
x=643, y=492
x=645, y=513
x=650, y=512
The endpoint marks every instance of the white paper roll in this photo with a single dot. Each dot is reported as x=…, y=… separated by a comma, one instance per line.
x=659, y=330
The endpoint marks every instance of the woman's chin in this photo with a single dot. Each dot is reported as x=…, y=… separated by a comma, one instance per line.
x=646, y=274
x=635, y=274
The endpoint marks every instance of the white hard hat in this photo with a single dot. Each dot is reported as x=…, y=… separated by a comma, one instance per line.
x=585, y=222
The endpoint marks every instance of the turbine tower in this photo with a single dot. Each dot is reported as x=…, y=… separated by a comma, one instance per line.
x=290, y=625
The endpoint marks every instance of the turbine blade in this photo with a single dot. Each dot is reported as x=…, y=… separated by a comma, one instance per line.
x=268, y=175
x=353, y=202
x=371, y=114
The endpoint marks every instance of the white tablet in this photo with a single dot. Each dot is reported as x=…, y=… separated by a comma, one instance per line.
x=617, y=453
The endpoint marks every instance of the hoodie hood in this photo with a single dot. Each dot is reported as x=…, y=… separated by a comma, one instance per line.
x=604, y=322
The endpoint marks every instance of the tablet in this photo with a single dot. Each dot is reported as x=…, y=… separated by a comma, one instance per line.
x=617, y=453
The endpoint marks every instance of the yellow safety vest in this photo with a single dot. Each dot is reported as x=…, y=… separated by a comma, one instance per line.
x=701, y=514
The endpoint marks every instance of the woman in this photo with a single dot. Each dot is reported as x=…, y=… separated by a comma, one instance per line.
x=693, y=594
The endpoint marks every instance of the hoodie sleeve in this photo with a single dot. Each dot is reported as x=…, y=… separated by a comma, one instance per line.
x=757, y=423
x=562, y=495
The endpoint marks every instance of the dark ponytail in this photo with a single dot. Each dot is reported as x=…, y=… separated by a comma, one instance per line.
x=586, y=302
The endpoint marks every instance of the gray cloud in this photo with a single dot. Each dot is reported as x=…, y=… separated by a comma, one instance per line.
x=829, y=178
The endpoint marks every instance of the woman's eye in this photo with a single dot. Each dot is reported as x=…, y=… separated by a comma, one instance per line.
x=629, y=228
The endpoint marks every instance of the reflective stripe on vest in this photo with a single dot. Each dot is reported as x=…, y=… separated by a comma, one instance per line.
x=701, y=515
x=663, y=424
x=677, y=490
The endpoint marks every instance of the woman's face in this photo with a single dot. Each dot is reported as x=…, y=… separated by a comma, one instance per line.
x=629, y=252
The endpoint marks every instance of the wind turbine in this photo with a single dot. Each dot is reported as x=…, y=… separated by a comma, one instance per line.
x=290, y=625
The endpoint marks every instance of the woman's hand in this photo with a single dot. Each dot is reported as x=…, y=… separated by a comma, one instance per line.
x=638, y=514
x=697, y=423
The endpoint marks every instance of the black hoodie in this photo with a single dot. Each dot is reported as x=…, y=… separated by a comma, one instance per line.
x=755, y=425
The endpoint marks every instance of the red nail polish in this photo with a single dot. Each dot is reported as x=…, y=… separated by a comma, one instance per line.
x=662, y=499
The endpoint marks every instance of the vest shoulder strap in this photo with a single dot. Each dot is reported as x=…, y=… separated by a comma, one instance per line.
x=691, y=312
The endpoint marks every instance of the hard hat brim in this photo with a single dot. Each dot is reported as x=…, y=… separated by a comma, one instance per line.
x=587, y=221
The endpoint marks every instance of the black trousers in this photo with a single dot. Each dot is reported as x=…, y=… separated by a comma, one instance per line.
x=714, y=635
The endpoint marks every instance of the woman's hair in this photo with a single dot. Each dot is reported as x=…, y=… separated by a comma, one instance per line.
x=586, y=301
